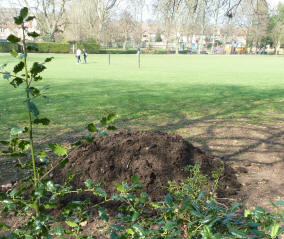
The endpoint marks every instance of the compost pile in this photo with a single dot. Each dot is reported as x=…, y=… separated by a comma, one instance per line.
x=156, y=157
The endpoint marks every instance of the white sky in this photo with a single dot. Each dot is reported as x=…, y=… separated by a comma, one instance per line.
x=148, y=11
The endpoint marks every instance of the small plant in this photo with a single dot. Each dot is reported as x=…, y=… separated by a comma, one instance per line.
x=187, y=213
x=37, y=196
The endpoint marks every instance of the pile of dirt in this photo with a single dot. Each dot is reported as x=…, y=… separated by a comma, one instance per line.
x=156, y=157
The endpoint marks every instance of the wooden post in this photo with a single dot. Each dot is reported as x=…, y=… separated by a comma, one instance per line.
x=139, y=60
x=109, y=58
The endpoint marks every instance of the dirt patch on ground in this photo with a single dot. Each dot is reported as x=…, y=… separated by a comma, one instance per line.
x=154, y=156
x=255, y=151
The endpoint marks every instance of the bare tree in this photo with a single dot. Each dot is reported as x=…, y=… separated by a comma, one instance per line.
x=103, y=11
x=136, y=7
x=126, y=26
x=174, y=15
x=51, y=18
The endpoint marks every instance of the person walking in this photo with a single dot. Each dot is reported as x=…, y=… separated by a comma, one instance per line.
x=85, y=54
x=78, y=55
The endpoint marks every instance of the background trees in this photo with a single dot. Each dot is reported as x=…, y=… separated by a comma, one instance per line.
x=172, y=21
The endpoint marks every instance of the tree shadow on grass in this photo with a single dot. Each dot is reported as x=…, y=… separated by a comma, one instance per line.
x=176, y=108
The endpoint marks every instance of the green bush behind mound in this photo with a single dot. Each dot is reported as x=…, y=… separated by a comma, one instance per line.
x=8, y=46
x=118, y=51
x=92, y=48
x=50, y=47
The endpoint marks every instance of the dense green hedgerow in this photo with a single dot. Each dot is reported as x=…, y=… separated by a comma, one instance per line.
x=118, y=51
x=92, y=48
x=7, y=46
x=50, y=47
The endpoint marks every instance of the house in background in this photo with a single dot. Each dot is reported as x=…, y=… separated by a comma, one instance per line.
x=7, y=25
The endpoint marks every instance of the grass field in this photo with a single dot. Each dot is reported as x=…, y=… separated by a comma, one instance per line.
x=165, y=91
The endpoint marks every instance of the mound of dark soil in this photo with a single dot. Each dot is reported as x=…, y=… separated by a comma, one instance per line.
x=155, y=157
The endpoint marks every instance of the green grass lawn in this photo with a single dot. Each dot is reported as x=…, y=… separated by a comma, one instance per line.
x=166, y=90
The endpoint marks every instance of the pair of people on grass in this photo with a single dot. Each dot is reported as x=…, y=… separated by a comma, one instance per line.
x=79, y=53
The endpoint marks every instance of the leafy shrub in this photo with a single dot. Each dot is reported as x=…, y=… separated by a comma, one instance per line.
x=8, y=46
x=185, y=214
x=118, y=51
x=90, y=47
x=49, y=47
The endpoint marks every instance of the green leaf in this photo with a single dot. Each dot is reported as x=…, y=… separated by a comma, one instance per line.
x=4, y=226
x=48, y=59
x=3, y=66
x=111, y=127
x=129, y=231
x=143, y=197
x=34, y=91
x=17, y=131
x=155, y=205
x=113, y=235
x=50, y=205
x=33, y=34
x=235, y=206
x=14, y=53
x=19, y=67
x=104, y=121
x=89, y=138
x=13, y=39
x=92, y=128
x=3, y=142
x=77, y=143
x=169, y=200
x=201, y=195
x=22, y=56
x=100, y=192
x=32, y=48
x=13, y=192
x=237, y=233
x=110, y=117
x=24, y=12
x=24, y=145
x=120, y=188
x=18, y=20
x=89, y=183
x=41, y=155
x=63, y=162
x=6, y=75
x=101, y=133
x=43, y=121
x=135, y=179
x=30, y=18
x=59, y=231
x=17, y=81
x=72, y=224
x=58, y=149
x=102, y=214
x=37, y=68
x=32, y=108
x=50, y=186
x=135, y=216
x=274, y=229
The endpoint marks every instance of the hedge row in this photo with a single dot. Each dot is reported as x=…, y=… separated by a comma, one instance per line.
x=91, y=48
x=7, y=46
x=50, y=47
x=117, y=51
